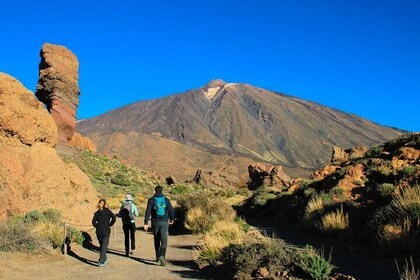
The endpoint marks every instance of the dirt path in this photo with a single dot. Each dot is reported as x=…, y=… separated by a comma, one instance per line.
x=82, y=263
x=360, y=267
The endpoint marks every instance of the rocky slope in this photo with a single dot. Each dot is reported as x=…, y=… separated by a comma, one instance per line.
x=237, y=122
x=32, y=176
x=367, y=198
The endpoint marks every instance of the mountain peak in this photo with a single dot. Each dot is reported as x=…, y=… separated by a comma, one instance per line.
x=216, y=83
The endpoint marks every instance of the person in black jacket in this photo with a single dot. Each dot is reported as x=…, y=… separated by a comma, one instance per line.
x=160, y=209
x=103, y=219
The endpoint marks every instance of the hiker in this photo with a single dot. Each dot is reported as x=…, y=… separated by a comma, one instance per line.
x=160, y=209
x=103, y=219
x=127, y=213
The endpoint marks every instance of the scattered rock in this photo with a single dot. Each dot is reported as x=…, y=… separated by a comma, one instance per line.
x=58, y=87
x=263, y=272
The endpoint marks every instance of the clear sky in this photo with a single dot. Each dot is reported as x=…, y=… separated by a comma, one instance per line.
x=359, y=56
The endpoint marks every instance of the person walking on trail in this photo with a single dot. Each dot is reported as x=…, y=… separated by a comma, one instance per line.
x=103, y=220
x=162, y=214
x=127, y=213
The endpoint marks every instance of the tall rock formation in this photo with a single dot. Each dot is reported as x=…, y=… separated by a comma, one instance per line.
x=58, y=87
x=32, y=176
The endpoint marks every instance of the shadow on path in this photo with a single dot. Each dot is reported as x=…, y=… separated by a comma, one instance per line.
x=81, y=259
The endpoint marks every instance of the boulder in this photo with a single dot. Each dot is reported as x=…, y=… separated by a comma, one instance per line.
x=339, y=155
x=260, y=175
x=58, y=87
x=82, y=143
x=32, y=176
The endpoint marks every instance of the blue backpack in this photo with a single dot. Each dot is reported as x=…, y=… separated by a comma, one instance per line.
x=160, y=207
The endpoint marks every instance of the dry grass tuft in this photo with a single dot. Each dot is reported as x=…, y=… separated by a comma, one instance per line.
x=409, y=271
x=334, y=221
x=314, y=205
x=221, y=236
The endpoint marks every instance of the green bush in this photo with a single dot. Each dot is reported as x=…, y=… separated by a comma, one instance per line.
x=179, y=189
x=337, y=191
x=246, y=258
x=33, y=217
x=313, y=263
x=408, y=170
x=15, y=237
x=375, y=152
x=75, y=235
x=309, y=192
x=244, y=225
x=385, y=189
x=121, y=180
x=53, y=215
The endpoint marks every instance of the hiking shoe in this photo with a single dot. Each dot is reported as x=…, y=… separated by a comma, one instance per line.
x=105, y=262
x=162, y=261
x=132, y=252
x=101, y=264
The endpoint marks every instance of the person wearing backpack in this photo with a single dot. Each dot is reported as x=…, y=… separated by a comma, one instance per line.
x=103, y=219
x=127, y=213
x=162, y=214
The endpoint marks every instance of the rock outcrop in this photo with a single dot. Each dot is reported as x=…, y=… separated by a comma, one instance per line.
x=58, y=87
x=83, y=143
x=340, y=155
x=260, y=175
x=32, y=176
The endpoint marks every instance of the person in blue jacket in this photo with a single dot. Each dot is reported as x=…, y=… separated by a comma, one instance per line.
x=162, y=214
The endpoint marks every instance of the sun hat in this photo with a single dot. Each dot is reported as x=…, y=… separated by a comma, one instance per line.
x=128, y=197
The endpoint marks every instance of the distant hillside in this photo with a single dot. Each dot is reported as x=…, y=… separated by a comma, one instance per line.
x=236, y=122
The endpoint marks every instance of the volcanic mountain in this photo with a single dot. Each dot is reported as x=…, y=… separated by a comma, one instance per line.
x=226, y=126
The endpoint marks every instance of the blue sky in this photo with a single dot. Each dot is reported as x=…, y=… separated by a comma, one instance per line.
x=362, y=57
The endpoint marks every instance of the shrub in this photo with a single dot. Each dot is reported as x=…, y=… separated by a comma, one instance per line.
x=337, y=191
x=309, y=192
x=53, y=215
x=33, y=217
x=408, y=171
x=15, y=237
x=263, y=195
x=313, y=263
x=199, y=211
x=121, y=180
x=75, y=235
x=179, y=189
x=400, y=235
x=385, y=189
x=247, y=257
x=334, y=221
x=375, y=152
